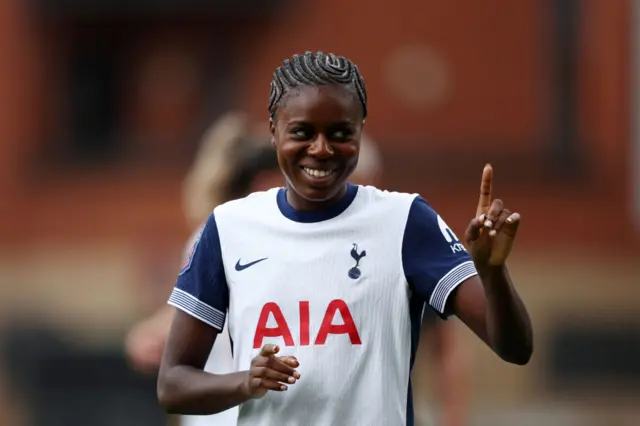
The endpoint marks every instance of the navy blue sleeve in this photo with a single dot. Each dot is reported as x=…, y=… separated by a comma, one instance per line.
x=201, y=289
x=435, y=261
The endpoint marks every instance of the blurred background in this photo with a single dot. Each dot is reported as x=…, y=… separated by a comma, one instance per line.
x=102, y=105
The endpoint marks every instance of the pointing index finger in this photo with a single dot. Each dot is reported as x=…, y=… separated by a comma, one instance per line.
x=485, y=191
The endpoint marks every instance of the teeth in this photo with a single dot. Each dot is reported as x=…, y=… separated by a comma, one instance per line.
x=317, y=173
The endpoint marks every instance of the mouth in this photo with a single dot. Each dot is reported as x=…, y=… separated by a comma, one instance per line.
x=319, y=174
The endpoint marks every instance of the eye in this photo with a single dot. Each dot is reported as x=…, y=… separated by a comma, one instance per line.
x=341, y=135
x=301, y=134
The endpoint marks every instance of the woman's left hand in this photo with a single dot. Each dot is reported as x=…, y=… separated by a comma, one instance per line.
x=490, y=235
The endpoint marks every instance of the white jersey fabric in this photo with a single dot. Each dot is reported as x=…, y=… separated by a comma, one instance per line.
x=220, y=361
x=343, y=290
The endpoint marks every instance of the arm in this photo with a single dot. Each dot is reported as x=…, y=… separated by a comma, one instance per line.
x=183, y=386
x=442, y=272
x=491, y=307
x=201, y=296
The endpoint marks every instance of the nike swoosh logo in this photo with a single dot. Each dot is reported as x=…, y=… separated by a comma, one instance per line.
x=240, y=267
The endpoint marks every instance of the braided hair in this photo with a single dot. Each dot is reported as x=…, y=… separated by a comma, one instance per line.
x=315, y=69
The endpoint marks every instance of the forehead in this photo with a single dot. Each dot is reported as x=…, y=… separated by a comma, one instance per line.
x=321, y=104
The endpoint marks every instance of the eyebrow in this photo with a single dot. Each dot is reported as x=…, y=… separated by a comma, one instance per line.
x=309, y=123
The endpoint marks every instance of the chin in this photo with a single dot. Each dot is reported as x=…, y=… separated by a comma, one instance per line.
x=320, y=191
x=318, y=195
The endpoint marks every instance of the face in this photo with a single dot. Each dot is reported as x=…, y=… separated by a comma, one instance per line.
x=317, y=138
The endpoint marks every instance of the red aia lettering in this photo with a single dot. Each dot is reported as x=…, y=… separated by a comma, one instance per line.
x=327, y=327
x=304, y=323
x=280, y=330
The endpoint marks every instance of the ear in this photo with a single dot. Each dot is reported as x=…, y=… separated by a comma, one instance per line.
x=272, y=130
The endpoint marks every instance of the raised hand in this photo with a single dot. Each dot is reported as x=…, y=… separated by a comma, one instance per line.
x=491, y=233
x=269, y=372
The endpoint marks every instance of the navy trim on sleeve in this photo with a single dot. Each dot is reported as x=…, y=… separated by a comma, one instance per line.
x=435, y=261
x=201, y=289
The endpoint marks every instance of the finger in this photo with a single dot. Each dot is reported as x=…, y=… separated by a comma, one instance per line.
x=278, y=376
x=500, y=221
x=259, y=382
x=503, y=241
x=473, y=230
x=269, y=350
x=486, y=187
x=278, y=365
x=494, y=212
x=291, y=361
x=511, y=225
x=268, y=373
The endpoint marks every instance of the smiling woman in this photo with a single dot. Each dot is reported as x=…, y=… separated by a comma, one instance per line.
x=317, y=140
x=324, y=119
x=282, y=264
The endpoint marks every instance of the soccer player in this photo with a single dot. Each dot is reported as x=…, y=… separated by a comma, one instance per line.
x=324, y=282
x=231, y=163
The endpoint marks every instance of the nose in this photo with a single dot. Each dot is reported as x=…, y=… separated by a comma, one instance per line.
x=320, y=148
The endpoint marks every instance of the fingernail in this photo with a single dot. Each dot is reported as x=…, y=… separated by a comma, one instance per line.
x=493, y=233
x=509, y=220
x=296, y=375
x=488, y=224
x=283, y=387
x=276, y=348
x=291, y=380
x=482, y=217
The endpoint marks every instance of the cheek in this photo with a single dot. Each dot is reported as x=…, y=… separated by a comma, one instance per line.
x=288, y=152
x=349, y=150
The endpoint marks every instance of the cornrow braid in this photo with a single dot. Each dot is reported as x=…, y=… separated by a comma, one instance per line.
x=315, y=69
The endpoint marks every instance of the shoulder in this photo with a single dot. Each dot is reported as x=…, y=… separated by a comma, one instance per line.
x=374, y=196
x=253, y=204
x=402, y=206
x=415, y=211
x=192, y=240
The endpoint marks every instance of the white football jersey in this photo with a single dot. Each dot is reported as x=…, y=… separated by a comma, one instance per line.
x=220, y=361
x=343, y=290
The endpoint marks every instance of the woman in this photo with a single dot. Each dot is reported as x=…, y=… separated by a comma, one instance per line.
x=286, y=262
x=231, y=163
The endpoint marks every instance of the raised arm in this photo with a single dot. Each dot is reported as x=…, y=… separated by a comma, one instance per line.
x=489, y=303
x=474, y=286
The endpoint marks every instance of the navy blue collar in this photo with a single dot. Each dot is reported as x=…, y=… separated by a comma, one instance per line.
x=317, y=215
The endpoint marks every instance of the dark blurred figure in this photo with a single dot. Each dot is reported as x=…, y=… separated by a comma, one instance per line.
x=231, y=163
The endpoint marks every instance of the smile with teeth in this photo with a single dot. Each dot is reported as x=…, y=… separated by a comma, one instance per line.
x=318, y=173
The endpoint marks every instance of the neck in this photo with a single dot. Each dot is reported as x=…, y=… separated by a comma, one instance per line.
x=303, y=204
